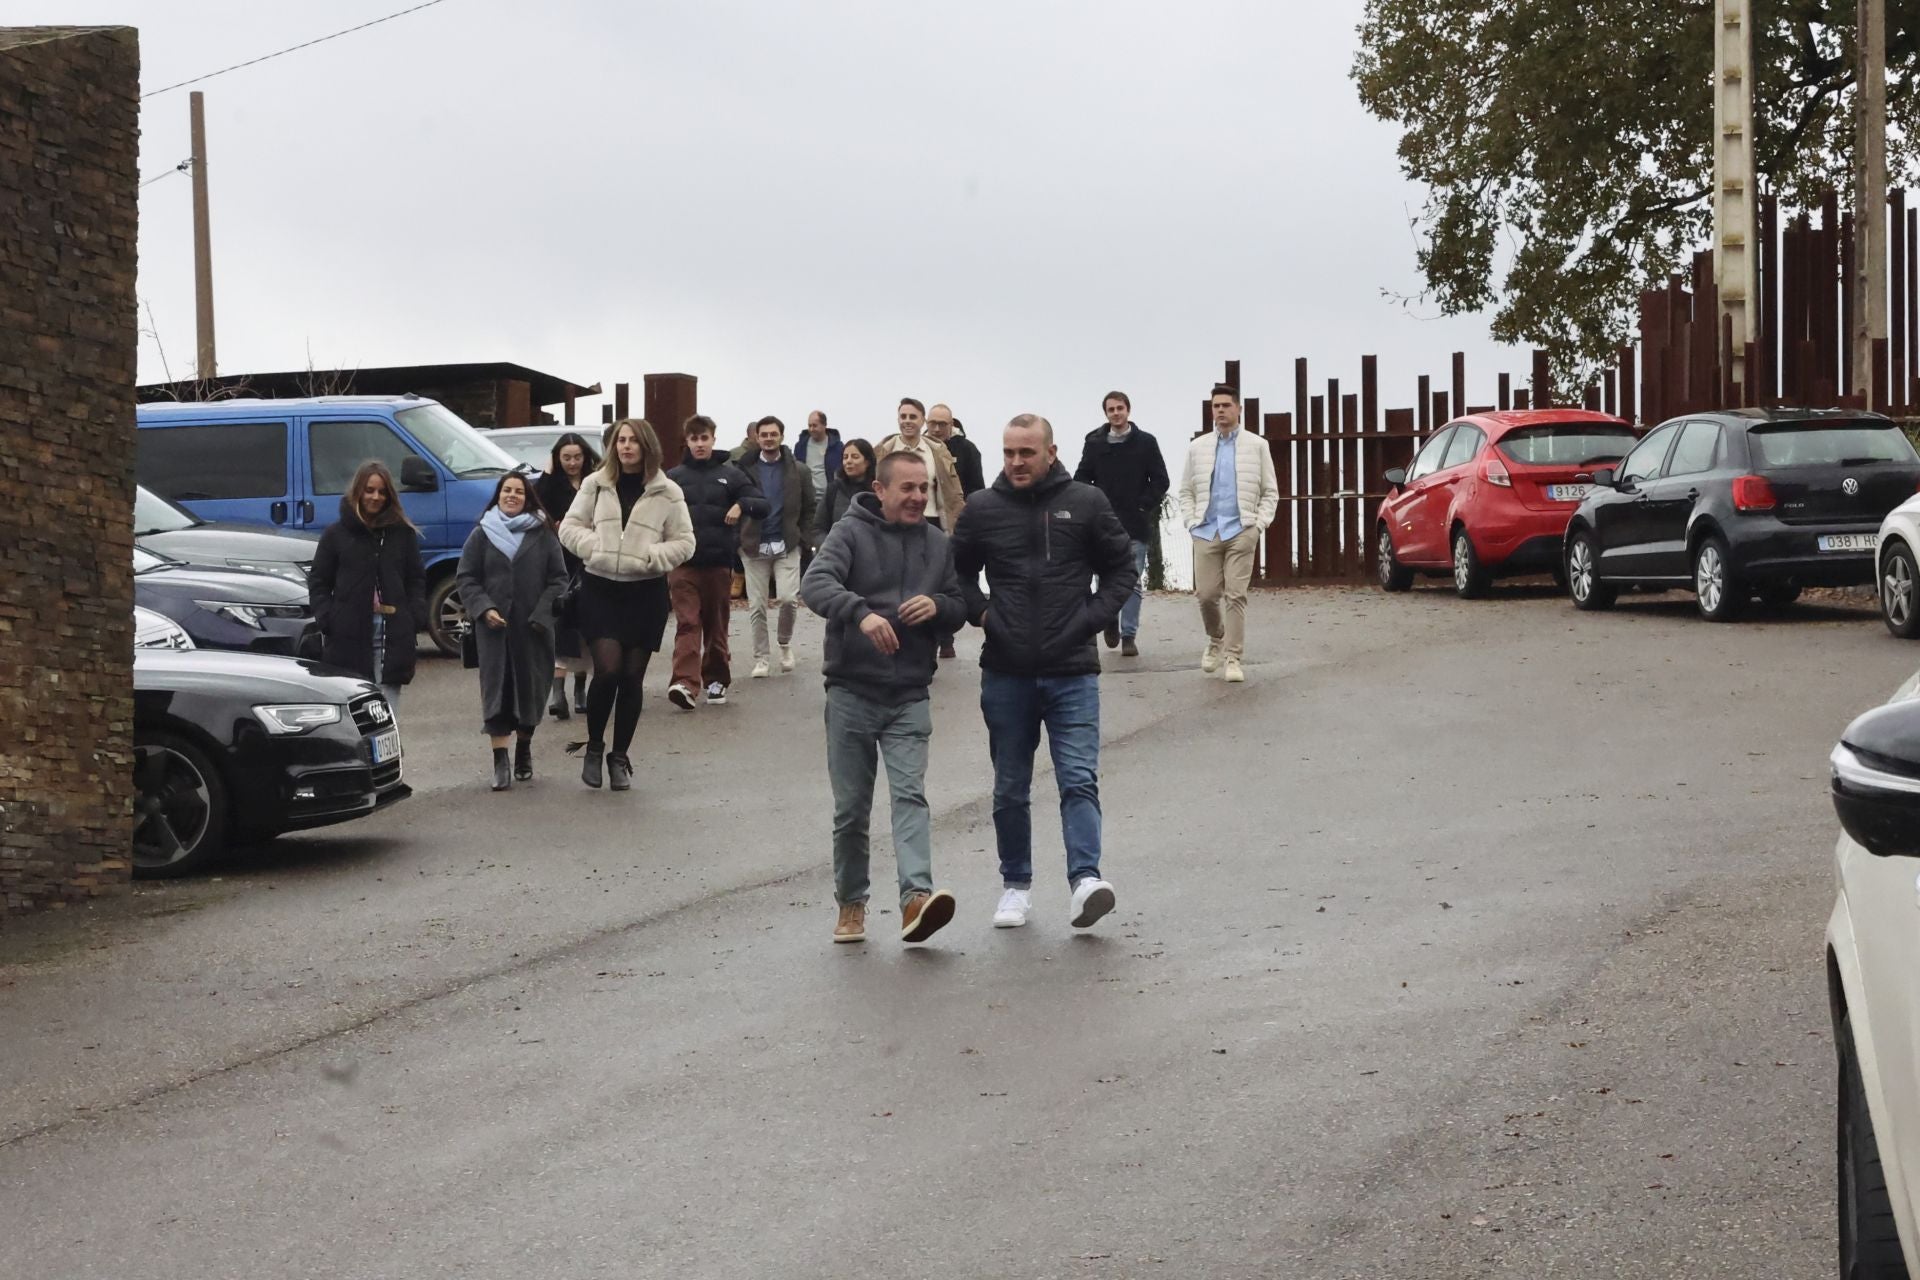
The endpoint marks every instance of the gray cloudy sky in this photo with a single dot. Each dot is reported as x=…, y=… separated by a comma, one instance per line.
x=1006, y=206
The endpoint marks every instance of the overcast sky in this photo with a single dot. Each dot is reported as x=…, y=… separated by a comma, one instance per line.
x=1006, y=206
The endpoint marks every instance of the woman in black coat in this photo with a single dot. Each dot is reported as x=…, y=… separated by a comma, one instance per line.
x=511, y=572
x=367, y=586
x=571, y=462
x=856, y=476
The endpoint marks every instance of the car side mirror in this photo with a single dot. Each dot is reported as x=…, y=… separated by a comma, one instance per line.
x=1397, y=477
x=418, y=476
x=1876, y=781
x=1605, y=478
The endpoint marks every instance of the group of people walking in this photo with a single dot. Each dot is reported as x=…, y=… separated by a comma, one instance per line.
x=575, y=575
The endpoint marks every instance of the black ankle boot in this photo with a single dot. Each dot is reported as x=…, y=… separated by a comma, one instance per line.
x=619, y=772
x=557, y=706
x=590, y=767
x=523, y=760
x=502, y=772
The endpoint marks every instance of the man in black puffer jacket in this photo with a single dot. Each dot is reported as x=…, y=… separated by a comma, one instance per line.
x=1041, y=536
x=719, y=494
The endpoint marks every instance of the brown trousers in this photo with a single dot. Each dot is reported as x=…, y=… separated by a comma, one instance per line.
x=702, y=600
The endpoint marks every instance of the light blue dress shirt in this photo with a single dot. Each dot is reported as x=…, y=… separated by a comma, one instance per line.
x=1223, y=502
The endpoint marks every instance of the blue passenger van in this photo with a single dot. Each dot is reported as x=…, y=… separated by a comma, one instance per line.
x=284, y=464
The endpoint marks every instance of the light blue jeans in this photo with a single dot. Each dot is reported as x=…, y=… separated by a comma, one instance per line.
x=1130, y=611
x=861, y=732
x=1015, y=709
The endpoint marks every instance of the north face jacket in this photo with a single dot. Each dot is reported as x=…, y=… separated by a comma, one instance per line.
x=711, y=489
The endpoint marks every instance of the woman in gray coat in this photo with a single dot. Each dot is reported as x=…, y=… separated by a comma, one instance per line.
x=511, y=573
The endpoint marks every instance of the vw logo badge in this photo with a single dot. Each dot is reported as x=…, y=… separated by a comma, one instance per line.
x=1850, y=486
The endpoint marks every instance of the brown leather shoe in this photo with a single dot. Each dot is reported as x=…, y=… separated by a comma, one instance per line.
x=946, y=650
x=852, y=926
x=924, y=914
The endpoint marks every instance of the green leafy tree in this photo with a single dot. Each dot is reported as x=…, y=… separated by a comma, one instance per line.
x=1567, y=145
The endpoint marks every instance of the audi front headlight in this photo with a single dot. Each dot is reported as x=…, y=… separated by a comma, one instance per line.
x=297, y=717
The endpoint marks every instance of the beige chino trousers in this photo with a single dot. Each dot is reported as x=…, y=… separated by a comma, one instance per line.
x=1222, y=571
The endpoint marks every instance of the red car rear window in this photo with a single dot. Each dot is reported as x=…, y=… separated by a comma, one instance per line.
x=1568, y=444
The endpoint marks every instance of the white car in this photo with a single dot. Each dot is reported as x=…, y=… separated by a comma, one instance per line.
x=1900, y=569
x=1873, y=980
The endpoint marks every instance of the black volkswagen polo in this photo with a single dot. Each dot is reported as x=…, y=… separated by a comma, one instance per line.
x=1742, y=504
x=231, y=747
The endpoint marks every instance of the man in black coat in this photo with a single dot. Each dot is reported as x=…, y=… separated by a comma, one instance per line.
x=1041, y=537
x=718, y=495
x=944, y=427
x=1125, y=463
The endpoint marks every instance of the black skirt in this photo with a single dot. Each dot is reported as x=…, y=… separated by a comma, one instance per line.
x=633, y=613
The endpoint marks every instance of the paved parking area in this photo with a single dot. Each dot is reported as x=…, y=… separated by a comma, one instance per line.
x=1465, y=939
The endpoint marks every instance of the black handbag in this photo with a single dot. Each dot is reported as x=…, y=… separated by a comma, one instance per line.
x=469, y=648
x=567, y=605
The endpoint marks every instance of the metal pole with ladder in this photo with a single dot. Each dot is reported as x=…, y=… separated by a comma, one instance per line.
x=1736, y=238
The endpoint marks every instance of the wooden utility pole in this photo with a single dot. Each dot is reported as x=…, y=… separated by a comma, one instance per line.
x=1869, y=283
x=1736, y=238
x=202, y=241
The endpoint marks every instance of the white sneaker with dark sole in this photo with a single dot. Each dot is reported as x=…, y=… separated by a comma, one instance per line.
x=1013, y=908
x=680, y=696
x=1092, y=898
x=716, y=694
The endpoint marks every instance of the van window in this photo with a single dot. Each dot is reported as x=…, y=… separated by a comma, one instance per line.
x=335, y=451
x=197, y=464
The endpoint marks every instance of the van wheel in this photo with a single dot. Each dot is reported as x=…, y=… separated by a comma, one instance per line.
x=179, y=807
x=1721, y=596
x=1583, y=575
x=1869, y=1240
x=1470, y=578
x=446, y=618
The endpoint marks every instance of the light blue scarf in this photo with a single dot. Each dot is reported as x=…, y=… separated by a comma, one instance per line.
x=508, y=533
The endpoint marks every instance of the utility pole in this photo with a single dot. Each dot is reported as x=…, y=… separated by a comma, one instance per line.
x=202, y=241
x=1869, y=283
x=1736, y=238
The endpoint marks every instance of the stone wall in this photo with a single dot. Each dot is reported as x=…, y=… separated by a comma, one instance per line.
x=69, y=133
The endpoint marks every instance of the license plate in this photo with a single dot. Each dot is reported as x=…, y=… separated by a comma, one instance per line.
x=1850, y=542
x=1569, y=492
x=386, y=746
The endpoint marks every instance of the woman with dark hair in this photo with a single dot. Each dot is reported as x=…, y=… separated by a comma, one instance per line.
x=856, y=476
x=511, y=572
x=573, y=459
x=367, y=586
x=629, y=524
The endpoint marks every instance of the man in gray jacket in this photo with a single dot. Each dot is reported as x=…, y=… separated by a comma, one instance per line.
x=884, y=581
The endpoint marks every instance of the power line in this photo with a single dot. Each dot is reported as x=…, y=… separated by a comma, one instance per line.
x=182, y=167
x=428, y=4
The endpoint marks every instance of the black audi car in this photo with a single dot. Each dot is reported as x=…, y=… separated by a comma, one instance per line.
x=227, y=608
x=1742, y=504
x=237, y=747
x=171, y=530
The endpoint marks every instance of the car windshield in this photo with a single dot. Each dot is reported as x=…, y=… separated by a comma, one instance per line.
x=446, y=435
x=535, y=451
x=1836, y=444
x=1567, y=444
x=154, y=514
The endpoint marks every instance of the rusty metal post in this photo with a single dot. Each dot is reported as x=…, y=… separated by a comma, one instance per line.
x=202, y=242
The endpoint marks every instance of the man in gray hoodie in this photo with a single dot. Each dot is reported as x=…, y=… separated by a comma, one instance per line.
x=885, y=583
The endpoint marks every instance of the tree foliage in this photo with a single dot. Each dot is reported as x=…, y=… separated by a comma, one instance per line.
x=1567, y=145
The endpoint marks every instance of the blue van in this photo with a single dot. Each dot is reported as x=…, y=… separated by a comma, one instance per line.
x=285, y=463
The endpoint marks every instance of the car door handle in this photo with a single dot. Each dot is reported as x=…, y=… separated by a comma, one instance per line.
x=1693, y=495
x=277, y=513
x=306, y=512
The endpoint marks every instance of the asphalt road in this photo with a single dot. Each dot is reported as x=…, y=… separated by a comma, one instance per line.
x=1463, y=940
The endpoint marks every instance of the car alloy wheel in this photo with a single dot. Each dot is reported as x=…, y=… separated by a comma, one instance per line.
x=1897, y=574
x=1393, y=575
x=1583, y=576
x=179, y=807
x=1719, y=595
x=449, y=616
x=1470, y=579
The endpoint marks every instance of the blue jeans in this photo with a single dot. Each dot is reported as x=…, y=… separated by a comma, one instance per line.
x=860, y=734
x=1130, y=611
x=1015, y=708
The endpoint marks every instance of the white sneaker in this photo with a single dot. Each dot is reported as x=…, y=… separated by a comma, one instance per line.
x=680, y=696
x=1013, y=908
x=1092, y=898
x=786, y=657
x=1210, y=660
x=760, y=670
x=716, y=694
x=1234, y=673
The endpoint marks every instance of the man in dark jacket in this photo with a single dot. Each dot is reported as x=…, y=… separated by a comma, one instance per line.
x=770, y=545
x=1124, y=462
x=719, y=494
x=1041, y=536
x=944, y=427
x=884, y=581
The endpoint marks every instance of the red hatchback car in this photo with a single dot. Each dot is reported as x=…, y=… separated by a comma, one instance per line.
x=1491, y=493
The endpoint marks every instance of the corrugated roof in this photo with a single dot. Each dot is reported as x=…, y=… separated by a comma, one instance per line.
x=391, y=380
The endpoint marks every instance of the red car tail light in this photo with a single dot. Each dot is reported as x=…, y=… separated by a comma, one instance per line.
x=1753, y=493
x=1496, y=473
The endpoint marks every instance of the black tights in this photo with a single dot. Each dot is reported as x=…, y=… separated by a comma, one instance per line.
x=617, y=674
